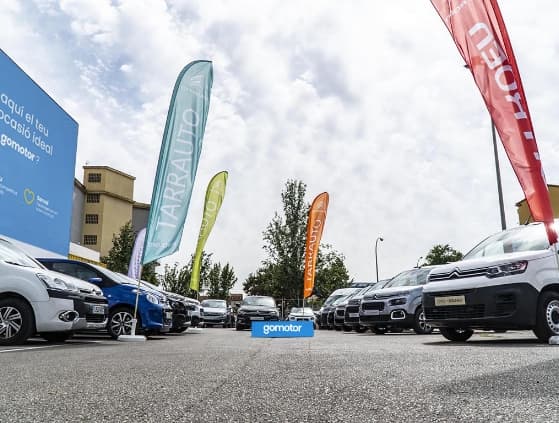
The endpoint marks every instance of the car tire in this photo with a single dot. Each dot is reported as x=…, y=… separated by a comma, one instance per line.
x=337, y=328
x=178, y=330
x=360, y=329
x=18, y=321
x=420, y=325
x=347, y=328
x=456, y=335
x=547, y=316
x=120, y=322
x=239, y=327
x=377, y=330
x=57, y=336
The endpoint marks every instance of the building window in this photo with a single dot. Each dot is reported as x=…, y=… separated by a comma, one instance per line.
x=93, y=198
x=94, y=177
x=92, y=218
x=90, y=240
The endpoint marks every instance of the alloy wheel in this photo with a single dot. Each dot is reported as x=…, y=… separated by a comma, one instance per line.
x=121, y=323
x=10, y=322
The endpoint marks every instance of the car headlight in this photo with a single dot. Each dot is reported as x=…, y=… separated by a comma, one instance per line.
x=397, y=301
x=56, y=283
x=152, y=298
x=514, y=268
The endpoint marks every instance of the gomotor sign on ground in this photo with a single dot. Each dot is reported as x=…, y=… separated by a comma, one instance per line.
x=276, y=329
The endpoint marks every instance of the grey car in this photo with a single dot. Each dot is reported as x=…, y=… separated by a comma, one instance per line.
x=397, y=305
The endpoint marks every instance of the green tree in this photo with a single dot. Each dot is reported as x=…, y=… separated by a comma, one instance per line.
x=442, y=254
x=281, y=273
x=331, y=272
x=285, y=241
x=177, y=280
x=118, y=257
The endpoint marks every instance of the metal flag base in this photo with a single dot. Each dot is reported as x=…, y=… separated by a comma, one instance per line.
x=554, y=340
x=132, y=338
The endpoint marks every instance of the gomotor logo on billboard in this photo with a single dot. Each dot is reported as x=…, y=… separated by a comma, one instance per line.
x=38, y=142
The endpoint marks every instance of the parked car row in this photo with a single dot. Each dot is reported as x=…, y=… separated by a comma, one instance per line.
x=508, y=281
x=56, y=297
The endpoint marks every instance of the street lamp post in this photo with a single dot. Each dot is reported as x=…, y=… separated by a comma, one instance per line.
x=376, y=257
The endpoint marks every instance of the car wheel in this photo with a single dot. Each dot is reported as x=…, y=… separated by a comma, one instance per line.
x=57, y=336
x=379, y=330
x=120, y=322
x=348, y=328
x=420, y=325
x=360, y=329
x=547, y=317
x=16, y=321
x=178, y=330
x=338, y=328
x=239, y=327
x=456, y=335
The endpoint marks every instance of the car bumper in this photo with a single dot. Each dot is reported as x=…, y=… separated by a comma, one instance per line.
x=387, y=319
x=47, y=315
x=247, y=320
x=509, y=306
x=217, y=320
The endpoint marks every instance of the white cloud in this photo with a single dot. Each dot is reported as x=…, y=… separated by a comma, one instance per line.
x=366, y=101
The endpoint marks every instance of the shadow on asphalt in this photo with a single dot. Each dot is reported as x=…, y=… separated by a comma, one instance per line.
x=492, y=342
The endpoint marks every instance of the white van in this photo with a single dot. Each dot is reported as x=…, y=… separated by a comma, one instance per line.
x=508, y=281
x=33, y=299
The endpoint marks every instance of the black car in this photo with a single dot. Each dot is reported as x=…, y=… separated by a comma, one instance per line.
x=256, y=308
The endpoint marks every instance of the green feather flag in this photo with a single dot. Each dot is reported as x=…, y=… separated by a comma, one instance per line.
x=214, y=198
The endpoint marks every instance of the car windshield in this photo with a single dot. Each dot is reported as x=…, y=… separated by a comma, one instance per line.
x=214, y=304
x=523, y=238
x=409, y=278
x=332, y=298
x=12, y=254
x=259, y=301
x=301, y=310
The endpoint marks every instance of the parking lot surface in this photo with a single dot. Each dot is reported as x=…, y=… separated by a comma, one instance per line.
x=221, y=375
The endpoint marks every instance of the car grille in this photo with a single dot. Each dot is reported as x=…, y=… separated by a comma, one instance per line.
x=340, y=312
x=208, y=313
x=96, y=300
x=375, y=305
x=505, y=304
x=95, y=318
x=455, y=312
x=352, y=309
x=451, y=293
x=458, y=274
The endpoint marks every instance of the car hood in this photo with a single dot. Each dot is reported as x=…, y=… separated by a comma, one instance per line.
x=146, y=290
x=256, y=308
x=392, y=292
x=481, y=262
x=215, y=309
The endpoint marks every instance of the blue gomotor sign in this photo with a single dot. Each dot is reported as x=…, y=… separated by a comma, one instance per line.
x=277, y=329
x=38, y=142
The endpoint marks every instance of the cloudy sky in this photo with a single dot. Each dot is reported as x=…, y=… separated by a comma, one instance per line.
x=367, y=100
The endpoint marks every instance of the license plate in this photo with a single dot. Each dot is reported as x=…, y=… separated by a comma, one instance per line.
x=353, y=314
x=450, y=300
x=372, y=312
x=257, y=318
x=97, y=309
x=168, y=314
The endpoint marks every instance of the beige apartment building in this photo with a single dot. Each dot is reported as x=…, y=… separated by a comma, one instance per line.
x=524, y=212
x=102, y=204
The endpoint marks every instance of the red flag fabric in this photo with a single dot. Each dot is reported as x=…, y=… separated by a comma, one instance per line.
x=479, y=32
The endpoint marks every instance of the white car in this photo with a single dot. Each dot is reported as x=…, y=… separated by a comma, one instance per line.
x=33, y=299
x=302, y=314
x=508, y=281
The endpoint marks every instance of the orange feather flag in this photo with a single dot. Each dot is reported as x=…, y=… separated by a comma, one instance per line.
x=315, y=226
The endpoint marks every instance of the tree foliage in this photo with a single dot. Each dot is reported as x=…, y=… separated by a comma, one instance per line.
x=118, y=257
x=216, y=279
x=442, y=254
x=281, y=273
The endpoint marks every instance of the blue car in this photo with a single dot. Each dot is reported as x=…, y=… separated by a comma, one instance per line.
x=154, y=313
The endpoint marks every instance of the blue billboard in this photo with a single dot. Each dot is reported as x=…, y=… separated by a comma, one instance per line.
x=277, y=329
x=38, y=142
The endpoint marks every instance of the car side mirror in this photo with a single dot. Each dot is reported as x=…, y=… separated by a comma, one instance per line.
x=96, y=281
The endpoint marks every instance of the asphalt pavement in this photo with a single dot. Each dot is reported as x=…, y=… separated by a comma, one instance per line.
x=221, y=375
